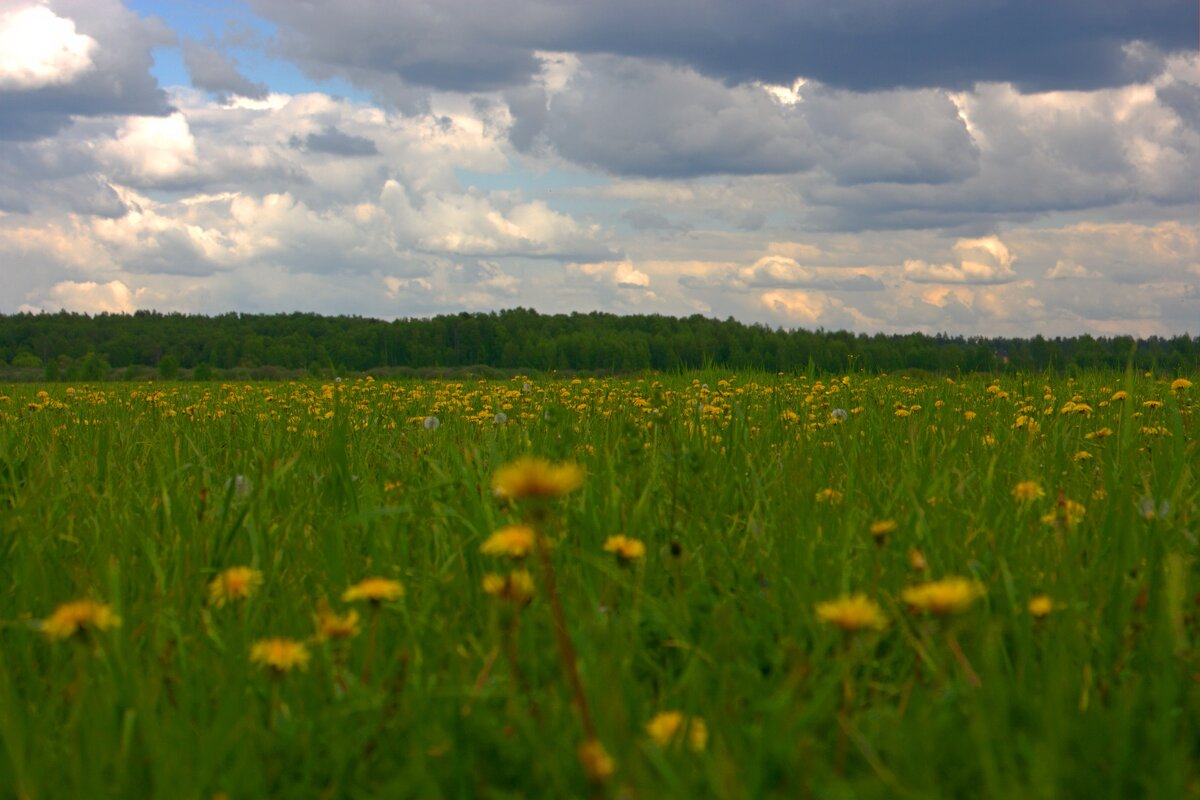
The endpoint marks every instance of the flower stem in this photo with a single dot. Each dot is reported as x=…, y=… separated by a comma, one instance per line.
x=372, y=634
x=565, y=648
x=961, y=658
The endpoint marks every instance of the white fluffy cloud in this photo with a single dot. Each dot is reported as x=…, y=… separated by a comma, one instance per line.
x=812, y=309
x=776, y=270
x=149, y=151
x=621, y=274
x=66, y=60
x=88, y=297
x=983, y=260
x=38, y=48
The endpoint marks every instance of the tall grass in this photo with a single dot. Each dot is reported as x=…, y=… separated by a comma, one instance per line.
x=138, y=496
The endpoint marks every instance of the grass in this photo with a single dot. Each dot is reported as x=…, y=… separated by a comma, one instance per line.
x=138, y=496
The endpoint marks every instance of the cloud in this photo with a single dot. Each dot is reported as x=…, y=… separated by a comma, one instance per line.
x=778, y=271
x=151, y=151
x=643, y=219
x=214, y=71
x=218, y=189
x=906, y=137
x=88, y=297
x=983, y=260
x=622, y=274
x=474, y=45
x=39, y=48
x=1126, y=253
x=48, y=83
x=335, y=142
x=627, y=181
x=632, y=117
x=1064, y=269
x=812, y=309
x=471, y=224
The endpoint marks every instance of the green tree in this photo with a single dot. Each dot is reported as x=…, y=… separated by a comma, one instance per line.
x=26, y=360
x=93, y=368
x=168, y=368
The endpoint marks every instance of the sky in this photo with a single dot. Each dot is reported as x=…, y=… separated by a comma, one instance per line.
x=975, y=167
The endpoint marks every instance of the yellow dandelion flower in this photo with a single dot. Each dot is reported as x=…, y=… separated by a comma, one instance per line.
x=1152, y=404
x=375, y=590
x=969, y=415
x=1040, y=606
x=668, y=727
x=78, y=618
x=1082, y=455
x=234, y=584
x=916, y=560
x=880, y=529
x=1180, y=383
x=532, y=477
x=1120, y=395
x=852, y=613
x=947, y=596
x=626, y=549
x=1067, y=511
x=1027, y=491
x=514, y=541
x=516, y=587
x=597, y=764
x=280, y=655
x=331, y=625
x=829, y=496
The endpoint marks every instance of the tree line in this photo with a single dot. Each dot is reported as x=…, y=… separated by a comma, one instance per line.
x=80, y=346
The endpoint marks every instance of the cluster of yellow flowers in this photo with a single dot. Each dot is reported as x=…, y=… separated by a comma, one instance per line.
x=945, y=597
x=808, y=406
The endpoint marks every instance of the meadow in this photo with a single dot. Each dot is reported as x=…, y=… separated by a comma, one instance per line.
x=712, y=584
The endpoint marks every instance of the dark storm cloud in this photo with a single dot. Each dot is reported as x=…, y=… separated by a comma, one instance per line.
x=478, y=45
x=214, y=71
x=335, y=142
x=119, y=81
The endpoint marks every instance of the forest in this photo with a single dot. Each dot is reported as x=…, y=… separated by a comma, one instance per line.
x=73, y=346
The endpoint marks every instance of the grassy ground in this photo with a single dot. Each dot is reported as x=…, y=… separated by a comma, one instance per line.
x=754, y=503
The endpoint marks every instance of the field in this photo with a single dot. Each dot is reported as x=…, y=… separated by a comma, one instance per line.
x=780, y=620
